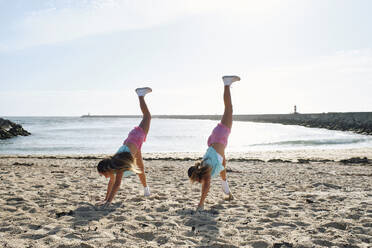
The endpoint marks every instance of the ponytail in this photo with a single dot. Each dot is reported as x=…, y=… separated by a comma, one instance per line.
x=199, y=171
x=120, y=161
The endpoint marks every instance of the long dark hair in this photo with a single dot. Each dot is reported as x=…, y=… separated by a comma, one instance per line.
x=120, y=161
x=199, y=171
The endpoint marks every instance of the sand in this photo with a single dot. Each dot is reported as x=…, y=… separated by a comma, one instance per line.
x=49, y=201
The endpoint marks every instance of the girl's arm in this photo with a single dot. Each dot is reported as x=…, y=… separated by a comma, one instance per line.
x=109, y=189
x=205, y=189
x=110, y=185
x=116, y=186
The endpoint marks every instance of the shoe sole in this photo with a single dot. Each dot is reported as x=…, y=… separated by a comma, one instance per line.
x=238, y=78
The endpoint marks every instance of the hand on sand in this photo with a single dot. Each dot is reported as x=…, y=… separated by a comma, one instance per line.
x=106, y=205
x=101, y=203
x=200, y=208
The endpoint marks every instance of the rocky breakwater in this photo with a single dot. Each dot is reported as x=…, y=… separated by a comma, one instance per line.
x=10, y=129
x=358, y=122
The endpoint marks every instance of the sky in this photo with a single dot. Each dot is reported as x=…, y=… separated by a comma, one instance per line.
x=69, y=58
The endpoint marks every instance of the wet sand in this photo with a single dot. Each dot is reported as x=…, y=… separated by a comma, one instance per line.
x=305, y=199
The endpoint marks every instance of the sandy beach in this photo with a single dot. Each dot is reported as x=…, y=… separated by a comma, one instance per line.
x=317, y=201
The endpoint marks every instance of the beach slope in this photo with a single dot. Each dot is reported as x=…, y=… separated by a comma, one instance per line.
x=50, y=202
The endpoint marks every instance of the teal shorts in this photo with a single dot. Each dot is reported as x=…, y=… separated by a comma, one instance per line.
x=125, y=148
x=211, y=158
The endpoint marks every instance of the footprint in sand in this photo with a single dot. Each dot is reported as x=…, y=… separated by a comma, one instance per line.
x=9, y=209
x=283, y=245
x=273, y=214
x=34, y=227
x=158, y=223
x=162, y=209
x=161, y=198
x=303, y=224
x=282, y=224
x=148, y=236
x=259, y=244
x=33, y=210
x=322, y=242
x=119, y=218
x=182, y=200
x=137, y=199
x=72, y=236
x=38, y=186
x=15, y=201
x=141, y=218
x=34, y=236
x=337, y=225
x=264, y=220
x=162, y=240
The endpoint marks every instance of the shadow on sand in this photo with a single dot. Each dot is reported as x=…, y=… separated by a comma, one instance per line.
x=204, y=224
x=86, y=212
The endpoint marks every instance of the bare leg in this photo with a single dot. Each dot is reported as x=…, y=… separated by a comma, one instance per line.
x=145, y=125
x=146, y=119
x=139, y=162
x=227, y=115
x=226, y=119
x=223, y=173
x=224, y=184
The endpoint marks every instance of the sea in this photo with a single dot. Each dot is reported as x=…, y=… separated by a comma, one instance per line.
x=83, y=136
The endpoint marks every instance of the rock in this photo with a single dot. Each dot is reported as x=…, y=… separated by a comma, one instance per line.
x=10, y=129
x=259, y=244
x=69, y=213
x=355, y=160
x=282, y=245
x=303, y=161
x=278, y=160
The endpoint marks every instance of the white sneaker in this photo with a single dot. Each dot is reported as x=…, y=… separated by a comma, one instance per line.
x=230, y=197
x=146, y=191
x=228, y=80
x=143, y=91
x=225, y=187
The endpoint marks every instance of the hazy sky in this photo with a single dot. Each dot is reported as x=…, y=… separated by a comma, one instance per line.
x=69, y=57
